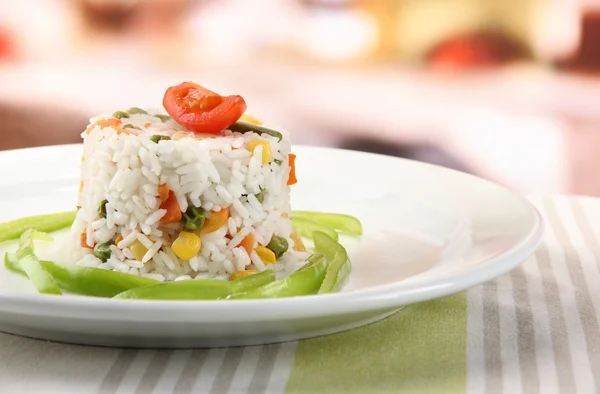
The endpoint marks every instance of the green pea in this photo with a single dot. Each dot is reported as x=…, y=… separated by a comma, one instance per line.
x=136, y=110
x=278, y=245
x=102, y=209
x=130, y=126
x=120, y=115
x=164, y=118
x=156, y=138
x=260, y=196
x=278, y=162
x=102, y=251
x=193, y=219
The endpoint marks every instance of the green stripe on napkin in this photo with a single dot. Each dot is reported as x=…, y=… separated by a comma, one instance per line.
x=420, y=349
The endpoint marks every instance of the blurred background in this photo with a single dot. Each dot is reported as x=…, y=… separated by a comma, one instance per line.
x=505, y=89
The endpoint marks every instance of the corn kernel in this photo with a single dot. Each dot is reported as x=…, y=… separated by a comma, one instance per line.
x=266, y=255
x=178, y=136
x=266, y=149
x=241, y=274
x=187, y=245
x=138, y=250
x=250, y=119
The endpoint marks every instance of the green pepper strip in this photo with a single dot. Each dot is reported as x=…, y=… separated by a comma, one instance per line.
x=306, y=228
x=302, y=282
x=196, y=289
x=30, y=264
x=84, y=280
x=340, y=222
x=46, y=223
x=339, y=267
x=245, y=127
x=251, y=282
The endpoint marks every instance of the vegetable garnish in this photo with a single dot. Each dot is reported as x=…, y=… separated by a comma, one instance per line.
x=302, y=282
x=198, y=289
x=306, y=228
x=46, y=223
x=84, y=280
x=201, y=110
x=339, y=266
x=30, y=264
x=338, y=221
x=252, y=281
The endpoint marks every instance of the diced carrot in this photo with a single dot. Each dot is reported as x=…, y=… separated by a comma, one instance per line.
x=122, y=131
x=173, y=214
x=292, y=179
x=119, y=239
x=163, y=192
x=248, y=243
x=147, y=124
x=83, y=240
x=113, y=122
x=215, y=221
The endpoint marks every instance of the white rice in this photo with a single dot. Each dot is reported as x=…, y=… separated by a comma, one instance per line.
x=213, y=173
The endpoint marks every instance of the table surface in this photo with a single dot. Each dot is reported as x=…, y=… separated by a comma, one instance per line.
x=535, y=329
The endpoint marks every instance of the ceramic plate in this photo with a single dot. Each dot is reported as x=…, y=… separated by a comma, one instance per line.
x=428, y=232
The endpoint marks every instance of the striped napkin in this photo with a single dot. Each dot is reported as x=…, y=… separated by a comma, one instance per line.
x=534, y=330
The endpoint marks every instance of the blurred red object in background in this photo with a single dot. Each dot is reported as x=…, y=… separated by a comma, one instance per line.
x=479, y=49
x=7, y=45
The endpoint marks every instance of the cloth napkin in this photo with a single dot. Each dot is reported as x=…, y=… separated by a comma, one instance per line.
x=533, y=330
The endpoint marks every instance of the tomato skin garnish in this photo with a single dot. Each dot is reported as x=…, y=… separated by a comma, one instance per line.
x=201, y=110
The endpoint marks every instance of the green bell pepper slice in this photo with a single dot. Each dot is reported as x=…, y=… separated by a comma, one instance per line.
x=338, y=221
x=339, y=266
x=30, y=264
x=45, y=223
x=84, y=280
x=193, y=289
x=306, y=280
x=251, y=282
x=305, y=228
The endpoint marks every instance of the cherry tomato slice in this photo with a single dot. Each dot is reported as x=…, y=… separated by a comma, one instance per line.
x=201, y=110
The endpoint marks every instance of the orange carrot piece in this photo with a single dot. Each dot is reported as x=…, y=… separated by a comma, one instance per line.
x=173, y=214
x=215, y=221
x=83, y=240
x=147, y=124
x=248, y=243
x=109, y=122
x=163, y=192
x=292, y=179
x=113, y=122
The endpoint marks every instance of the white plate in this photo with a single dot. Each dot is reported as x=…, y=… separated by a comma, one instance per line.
x=428, y=232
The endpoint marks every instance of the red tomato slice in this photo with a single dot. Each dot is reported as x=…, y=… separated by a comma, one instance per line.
x=201, y=110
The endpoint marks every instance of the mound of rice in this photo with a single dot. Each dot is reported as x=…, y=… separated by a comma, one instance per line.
x=120, y=206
